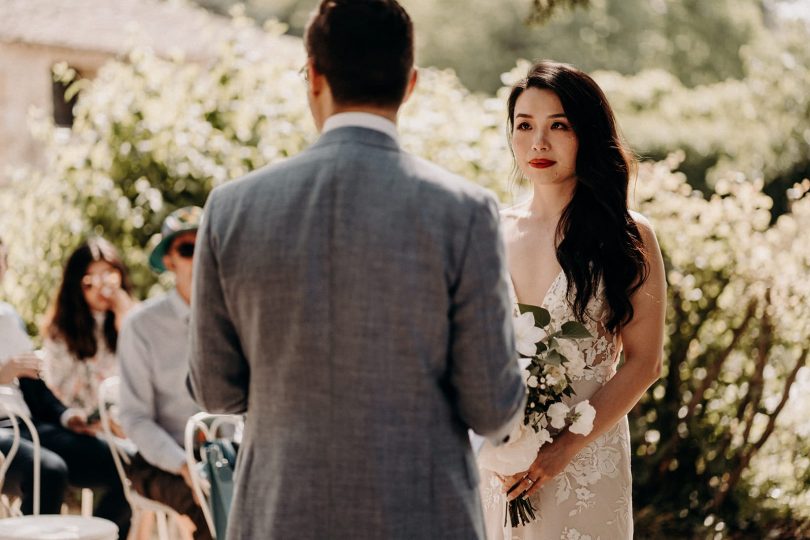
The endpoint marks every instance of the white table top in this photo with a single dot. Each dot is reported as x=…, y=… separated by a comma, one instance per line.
x=57, y=527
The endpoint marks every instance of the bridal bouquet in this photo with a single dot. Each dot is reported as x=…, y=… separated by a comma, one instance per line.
x=550, y=360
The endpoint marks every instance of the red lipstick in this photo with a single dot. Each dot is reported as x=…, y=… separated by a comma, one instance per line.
x=541, y=163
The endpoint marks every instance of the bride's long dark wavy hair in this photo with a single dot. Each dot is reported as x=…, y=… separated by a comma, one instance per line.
x=596, y=237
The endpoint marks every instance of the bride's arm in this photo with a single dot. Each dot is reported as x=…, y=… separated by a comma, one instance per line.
x=643, y=340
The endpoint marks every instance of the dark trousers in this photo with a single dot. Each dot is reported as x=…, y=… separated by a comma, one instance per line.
x=89, y=465
x=167, y=488
x=19, y=479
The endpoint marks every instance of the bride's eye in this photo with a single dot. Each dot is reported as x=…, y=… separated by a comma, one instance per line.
x=559, y=125
x=523, y=126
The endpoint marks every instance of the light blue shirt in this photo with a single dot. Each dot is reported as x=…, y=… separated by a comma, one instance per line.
x=155, y=404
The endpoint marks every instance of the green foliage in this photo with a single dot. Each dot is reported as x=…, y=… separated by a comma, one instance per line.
x=719, y=427
x=758, y=125
x=542, y=10
x=542, y=317
x=698, y=41
x=723, y=80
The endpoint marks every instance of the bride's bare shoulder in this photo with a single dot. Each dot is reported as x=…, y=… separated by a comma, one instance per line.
x=643, y=224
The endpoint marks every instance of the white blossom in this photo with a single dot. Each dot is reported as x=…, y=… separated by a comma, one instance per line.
x=527, y=334
x=557, y=414
x=517, y=455
x=584, y=414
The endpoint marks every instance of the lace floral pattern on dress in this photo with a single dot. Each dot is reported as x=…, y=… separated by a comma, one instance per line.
x=592, y=498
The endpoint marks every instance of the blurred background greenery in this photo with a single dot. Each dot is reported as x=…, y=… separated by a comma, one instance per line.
x=712, y=95
x=724, y=80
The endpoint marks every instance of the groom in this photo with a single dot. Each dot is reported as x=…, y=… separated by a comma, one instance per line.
x=352, y=301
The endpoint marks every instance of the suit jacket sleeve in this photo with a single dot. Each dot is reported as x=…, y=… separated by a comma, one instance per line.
x=483, y=366
x=44, y=406
x=219, y=374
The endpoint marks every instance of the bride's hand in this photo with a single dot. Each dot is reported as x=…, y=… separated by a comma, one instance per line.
x=510, y=480
x=550, y=461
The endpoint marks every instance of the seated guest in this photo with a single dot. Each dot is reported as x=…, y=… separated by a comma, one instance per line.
x=70, y=451
x=153, y=351
x=14, y=364
x=82, y=328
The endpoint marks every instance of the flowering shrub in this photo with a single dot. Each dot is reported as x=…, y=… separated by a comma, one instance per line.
x=737, y=327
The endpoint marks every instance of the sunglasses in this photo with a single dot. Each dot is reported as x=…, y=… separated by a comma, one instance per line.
x=185, y=249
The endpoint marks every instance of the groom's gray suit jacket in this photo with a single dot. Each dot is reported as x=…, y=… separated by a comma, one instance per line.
x=353, y=302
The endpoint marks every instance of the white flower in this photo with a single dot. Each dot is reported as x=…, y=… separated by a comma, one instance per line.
x=526, y=334
x=557, y=413
x=575, y=366
x=543, y=437
x=584, y=414
x=524, y=363
x=532, y=382
x=568, y=348
x=516, y=455
x=554, y=374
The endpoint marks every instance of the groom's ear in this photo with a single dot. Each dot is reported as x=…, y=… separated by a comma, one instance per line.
x=316, y=79
x=411, y=84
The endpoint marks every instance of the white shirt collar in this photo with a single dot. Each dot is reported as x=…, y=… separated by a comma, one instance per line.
x=361, y=119
x=181, y=309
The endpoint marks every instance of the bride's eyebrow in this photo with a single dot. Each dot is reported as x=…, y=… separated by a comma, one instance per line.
x=558, y=115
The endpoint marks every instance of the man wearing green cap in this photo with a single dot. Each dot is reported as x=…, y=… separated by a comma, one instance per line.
x=153, y=352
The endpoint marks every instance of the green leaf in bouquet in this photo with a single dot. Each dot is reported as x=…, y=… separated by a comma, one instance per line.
x=553, y=357
x=541, y=316
x=574, y=330
x=541, y=347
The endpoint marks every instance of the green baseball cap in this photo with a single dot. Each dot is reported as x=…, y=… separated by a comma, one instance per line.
x=181, y=220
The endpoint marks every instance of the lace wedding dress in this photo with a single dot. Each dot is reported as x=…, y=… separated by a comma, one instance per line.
x=592, y=498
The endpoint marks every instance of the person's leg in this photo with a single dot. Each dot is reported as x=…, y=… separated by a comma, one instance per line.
x=19, y=479
x=90, y=464
x=169, y=489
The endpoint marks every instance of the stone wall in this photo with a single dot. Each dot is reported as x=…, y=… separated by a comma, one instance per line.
x=25, y=82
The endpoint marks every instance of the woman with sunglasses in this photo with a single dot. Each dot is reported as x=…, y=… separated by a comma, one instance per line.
x=82, y=328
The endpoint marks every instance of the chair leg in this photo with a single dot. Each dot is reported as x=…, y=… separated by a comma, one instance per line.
x=87, y=502
x=162, y=525
x=184, y=527
x=143, y=524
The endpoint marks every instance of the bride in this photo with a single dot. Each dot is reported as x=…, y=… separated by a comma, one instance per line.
x=575, y=249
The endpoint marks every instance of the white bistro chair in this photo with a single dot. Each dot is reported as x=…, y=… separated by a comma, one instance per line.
x=121, y=448
x=5, y=461
x=210, y=426
x=52, y=527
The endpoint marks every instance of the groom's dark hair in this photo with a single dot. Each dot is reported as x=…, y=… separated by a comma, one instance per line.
x=364, y=48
